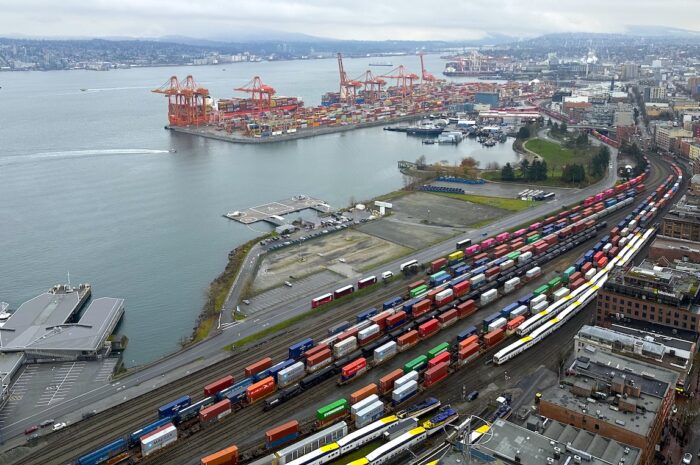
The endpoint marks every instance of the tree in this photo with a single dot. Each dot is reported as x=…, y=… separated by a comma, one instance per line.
x=493, y=165
x=525, y=168
x=555, y=127
x=549, y=122
x=421, y=162
x=507, y=173
x=573, y=173
x=563, y=128
x=469, y=162
x=523, y=133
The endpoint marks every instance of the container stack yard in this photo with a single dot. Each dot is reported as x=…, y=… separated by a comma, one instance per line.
x=367, y=100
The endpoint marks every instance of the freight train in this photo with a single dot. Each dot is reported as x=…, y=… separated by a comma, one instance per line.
x=546, y=322
x=473, y=255
x=401, y=325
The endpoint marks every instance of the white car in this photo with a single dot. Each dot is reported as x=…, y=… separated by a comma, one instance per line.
x=59, y=426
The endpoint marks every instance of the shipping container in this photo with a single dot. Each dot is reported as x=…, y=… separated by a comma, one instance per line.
x=466, y=308
x=396, y=320
x=438, y=349
x=488, y=296
x=169, y=409
x=437, y=265
x=436, y=374
x=218, y=385
x=494, y=337
x=515, y=322
x=391, y=303
x=417, y=364
x=298, y=349
x=282, y=434
x=448, y=318
x=366, y=315
x=428, y=328
x=386, y=382
x=405, y=392
x=158, y=439
x=407, y=340
x=444, y=357
x=257, y=367
x=384, y=352
x=363, y=393
x=215, y=412
x=421, y=308
x=261, y=389
x=332, y=410
x=228, y=456
x=468, y=353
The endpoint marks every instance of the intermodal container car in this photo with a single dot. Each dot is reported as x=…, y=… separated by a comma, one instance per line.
x=386, y=382
x=437, y=265
x=257, y=367
x=436, y=374
x=417, y=364
x=282, y=434
x=363, y=393
x=465, y=333
x=494, y=337
x=169, y=409
x=261, y=389
x=466, y=308
x=428, y=328
x=437, y=350
x=333, y=410
x=218, y=385
x=353, y=369
x=366, y=315
x=215, y=412
x=298, y=349
x=444, y=357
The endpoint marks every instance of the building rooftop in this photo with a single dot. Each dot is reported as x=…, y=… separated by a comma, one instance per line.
x=49, y=323
x=656, y=283
x=556, y=445
x=614, y=389
x=648, y=348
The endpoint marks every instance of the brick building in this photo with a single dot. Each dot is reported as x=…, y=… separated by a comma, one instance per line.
x=616, y=397
x=653, y=294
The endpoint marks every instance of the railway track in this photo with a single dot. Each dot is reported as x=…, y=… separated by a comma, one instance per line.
x=120, y=420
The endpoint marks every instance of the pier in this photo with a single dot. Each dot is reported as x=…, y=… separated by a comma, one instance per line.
x=272, y=212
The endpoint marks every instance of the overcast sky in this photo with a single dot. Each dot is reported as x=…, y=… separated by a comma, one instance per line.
x=342, y=19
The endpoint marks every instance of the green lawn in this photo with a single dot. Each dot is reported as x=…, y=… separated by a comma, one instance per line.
x=513, y=205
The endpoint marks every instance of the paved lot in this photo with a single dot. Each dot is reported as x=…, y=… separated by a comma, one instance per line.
x=279, y=208
x=41, y=386
x=501, y=189
x=344, y=252
x=421, y=219
x=300, y=288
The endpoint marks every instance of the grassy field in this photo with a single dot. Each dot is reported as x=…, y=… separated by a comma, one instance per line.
x=513, y=205
x=557, y=155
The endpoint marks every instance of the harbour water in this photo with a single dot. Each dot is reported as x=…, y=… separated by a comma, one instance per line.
x=89, y=185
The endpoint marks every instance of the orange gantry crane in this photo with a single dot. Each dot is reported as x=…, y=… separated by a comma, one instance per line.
x=348, y=87
x=425, y=75
x=187, y=101
x=373, y=87
x=404, y=80
x=261, y=94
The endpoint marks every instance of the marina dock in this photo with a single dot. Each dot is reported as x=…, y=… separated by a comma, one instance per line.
x=272, y=212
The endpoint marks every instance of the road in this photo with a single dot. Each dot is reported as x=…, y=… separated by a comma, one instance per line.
x=211, y=350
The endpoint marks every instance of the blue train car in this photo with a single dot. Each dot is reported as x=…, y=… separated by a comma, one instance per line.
x=298, y=349
x=441, y=279
x=170, y=409
x=408, y=305
x=490, y=319
x=136, y=435
x=610, y=202
x=462, y=270
x=392, y=303
x=280, y=366
x=525, y=300
x=459, y=279
x=237, y=396
x=465, y=333
x=366, y=315
x=190, y=412
x=338, y=328
x=481, y=261
x=588, y=256
x=104, y=453
x=579, y=263
x=505, y=311
x=598, y=246
x=500, y=260
x=244, y=383
x=480, y=269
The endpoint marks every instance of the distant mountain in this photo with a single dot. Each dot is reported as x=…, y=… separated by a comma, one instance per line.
x=259, y=35
x=660, y=31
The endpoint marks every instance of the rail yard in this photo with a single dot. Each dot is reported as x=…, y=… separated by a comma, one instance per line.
x=442, y=320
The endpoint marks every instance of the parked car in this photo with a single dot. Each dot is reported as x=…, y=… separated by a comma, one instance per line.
x=31, y=429
x=59, y=426
x=288, y=284
x=472, y=395
x=46, y=423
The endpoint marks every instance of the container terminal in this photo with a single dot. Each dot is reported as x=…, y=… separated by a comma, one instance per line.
x=367, y=100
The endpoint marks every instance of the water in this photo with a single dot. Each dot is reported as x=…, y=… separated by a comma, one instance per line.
x=88, y=185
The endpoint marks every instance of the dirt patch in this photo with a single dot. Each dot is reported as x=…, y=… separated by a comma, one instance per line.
x=421, y=219
x=358, y=250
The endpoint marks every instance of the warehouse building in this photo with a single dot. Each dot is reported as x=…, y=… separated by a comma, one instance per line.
x=554, y=443
x=647, y=292
x=619, y=398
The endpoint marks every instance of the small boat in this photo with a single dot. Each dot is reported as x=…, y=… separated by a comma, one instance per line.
x=428, y=141
x=425, y=128
x=83, y=89
x=381, y=63
x=172, y=151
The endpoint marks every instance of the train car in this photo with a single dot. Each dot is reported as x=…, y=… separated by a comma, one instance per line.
x=218, y=385
x=353, y=370
x=298, y=349
x=366, y=282
x=227, y=456
x=171, y=408
x=343, y=291
x=134, y=437
x=321, y=300
x=104, y=453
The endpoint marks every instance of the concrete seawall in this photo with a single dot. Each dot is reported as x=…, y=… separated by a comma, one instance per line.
x=211, y=133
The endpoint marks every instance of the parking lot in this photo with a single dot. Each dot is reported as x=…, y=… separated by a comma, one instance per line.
x=280, y=294
x=500, y=189
x=420, y=219
x=40, y=386
x=345, y=252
